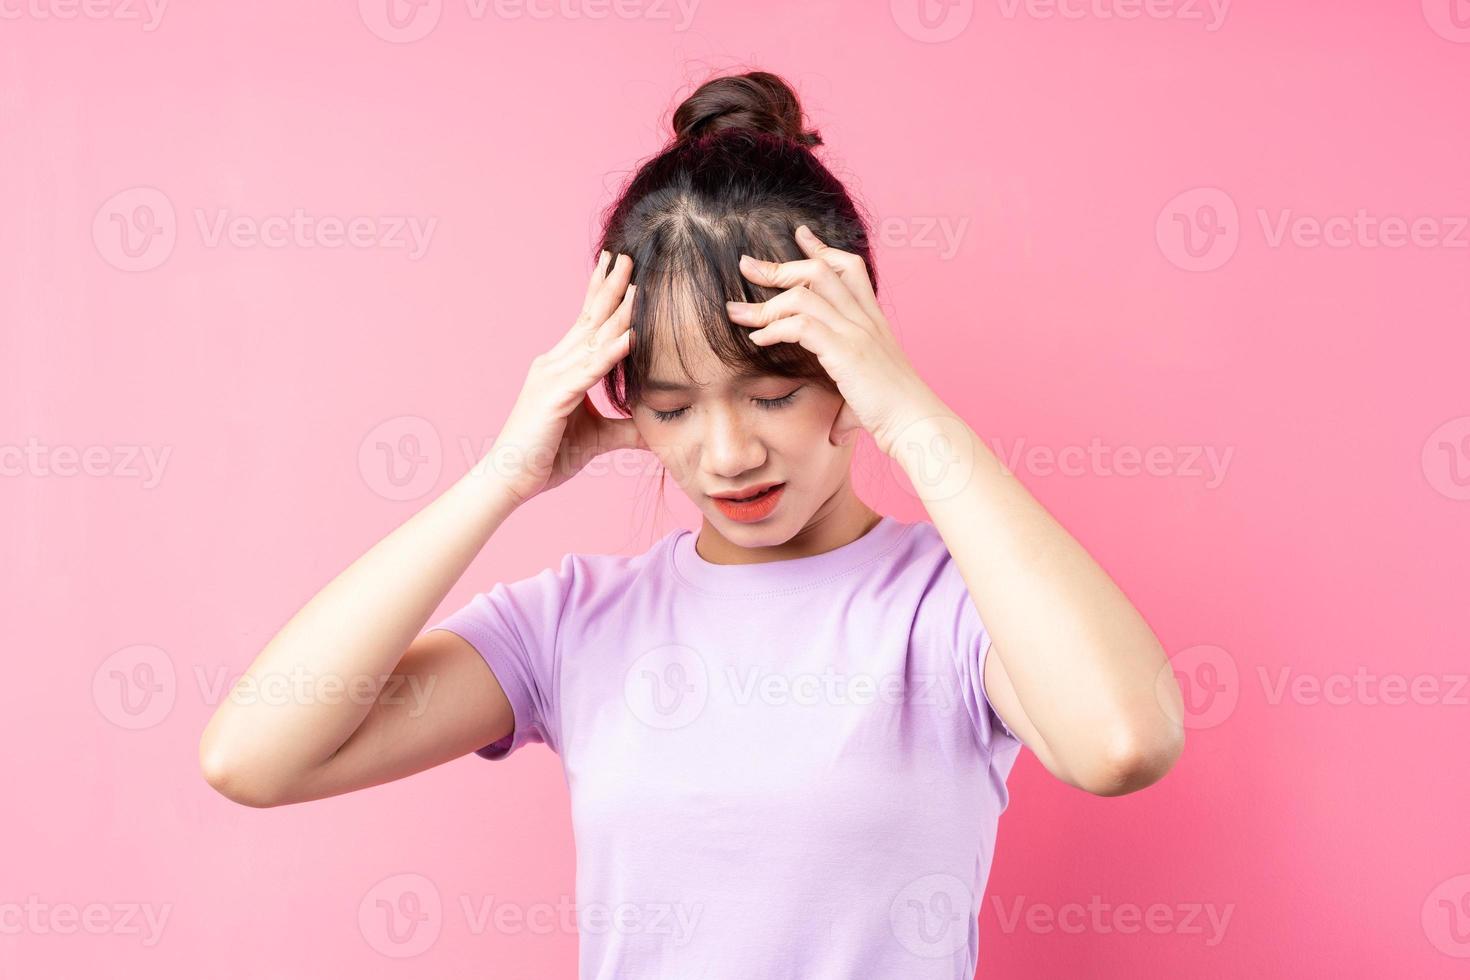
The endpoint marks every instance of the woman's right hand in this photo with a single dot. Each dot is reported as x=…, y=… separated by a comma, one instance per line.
x=554, y=429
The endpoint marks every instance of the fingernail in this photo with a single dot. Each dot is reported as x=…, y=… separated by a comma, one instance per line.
x=804, y=231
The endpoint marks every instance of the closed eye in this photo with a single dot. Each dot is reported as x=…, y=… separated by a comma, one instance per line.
x=770, y=404
x=778, y=402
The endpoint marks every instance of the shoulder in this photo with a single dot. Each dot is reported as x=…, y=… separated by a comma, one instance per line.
x=920, y=551
x=926, y=556
x=586, y=573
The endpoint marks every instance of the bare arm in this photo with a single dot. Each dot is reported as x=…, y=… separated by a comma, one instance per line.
x=371, y=700
x=1074, y=669
x=367, y=701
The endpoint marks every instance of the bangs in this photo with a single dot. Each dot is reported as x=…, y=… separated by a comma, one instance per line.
x=686, y=267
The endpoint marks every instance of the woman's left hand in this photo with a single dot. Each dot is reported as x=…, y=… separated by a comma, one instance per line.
x=830, y=309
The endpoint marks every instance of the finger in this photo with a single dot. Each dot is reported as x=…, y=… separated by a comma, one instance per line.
x=598, y=272
x=792, y=302
x=592, y=361
x=833, y=284
x=604, y=300
x=851, y=269
x=610, y=293
x=812, y=273
x=619, y=322
x=799, y=328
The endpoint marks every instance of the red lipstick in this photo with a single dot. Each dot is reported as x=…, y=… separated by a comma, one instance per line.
x=757, y=504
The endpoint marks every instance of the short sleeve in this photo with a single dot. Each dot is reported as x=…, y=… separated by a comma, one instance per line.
x=970, y=642
x=515, y=628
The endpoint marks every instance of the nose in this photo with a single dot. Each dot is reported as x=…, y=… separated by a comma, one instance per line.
x=731, y=444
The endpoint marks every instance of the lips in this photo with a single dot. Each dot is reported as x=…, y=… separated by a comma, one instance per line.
x=746, y=493
x=767, y=497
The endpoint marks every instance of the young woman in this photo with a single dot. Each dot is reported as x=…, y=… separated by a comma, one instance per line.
x=786, y=737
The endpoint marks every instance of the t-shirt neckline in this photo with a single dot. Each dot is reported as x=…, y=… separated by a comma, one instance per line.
x=786, y=575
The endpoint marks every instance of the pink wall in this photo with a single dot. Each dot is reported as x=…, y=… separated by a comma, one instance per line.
x=190, y=428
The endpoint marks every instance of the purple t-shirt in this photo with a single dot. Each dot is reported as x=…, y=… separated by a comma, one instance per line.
x=779, y=770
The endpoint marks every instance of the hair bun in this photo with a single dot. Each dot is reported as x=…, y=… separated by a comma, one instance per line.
x=755, y=100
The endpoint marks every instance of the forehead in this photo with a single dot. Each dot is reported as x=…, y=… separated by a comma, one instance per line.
x=666, y=373
x=675, y=326
x=670, y=355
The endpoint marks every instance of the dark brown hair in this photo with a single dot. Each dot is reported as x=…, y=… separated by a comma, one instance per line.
x=739, y=175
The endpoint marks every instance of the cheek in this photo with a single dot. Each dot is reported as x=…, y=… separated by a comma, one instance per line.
x=801, y=432
x=820, y=412
x=675, y=452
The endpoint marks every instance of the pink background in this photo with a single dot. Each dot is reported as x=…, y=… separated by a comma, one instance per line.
x=1065, y=155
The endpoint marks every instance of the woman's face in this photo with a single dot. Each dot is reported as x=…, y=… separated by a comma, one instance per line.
x=719, y=433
